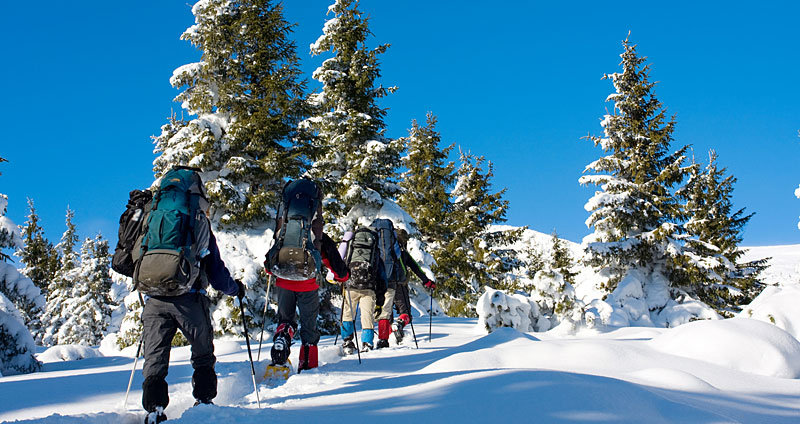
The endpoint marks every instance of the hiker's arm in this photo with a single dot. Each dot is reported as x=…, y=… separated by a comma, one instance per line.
x=332, y=260
x=218, y=275
x=411, y=264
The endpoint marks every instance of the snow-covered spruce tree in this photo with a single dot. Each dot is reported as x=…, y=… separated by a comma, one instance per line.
x=247, y=94
x=711, y=267
x=355, y=162
x=427, y=181
x=636, y=215
x=17, y=347
x=60, y=289
x=19, y=289
x=562, y=260
x=9, y=236
x=87, y=310
x=472, y=255
x=16, y=343
x=38, y=254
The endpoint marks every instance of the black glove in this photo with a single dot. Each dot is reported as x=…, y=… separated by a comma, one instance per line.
x=242, y=290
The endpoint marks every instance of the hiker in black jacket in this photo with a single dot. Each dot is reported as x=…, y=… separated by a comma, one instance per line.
x=162, y=316
x=401, y=296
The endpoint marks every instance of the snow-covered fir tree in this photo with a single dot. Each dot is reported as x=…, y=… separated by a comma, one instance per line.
x=636, y=215
x=562, y=260
x=38, y=255
x=427, y=180
x=60, y=289
x=16, y=343
x=355, y=162
x=248, y=98
x=9, y=236
x=473, y=254
x=88, y=307
x=711, y=266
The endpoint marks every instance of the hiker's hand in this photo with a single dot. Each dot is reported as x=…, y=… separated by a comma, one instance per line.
x=430, y=285
x=242, y=290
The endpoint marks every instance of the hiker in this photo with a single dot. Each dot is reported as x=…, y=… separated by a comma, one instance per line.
x=395, y=272
x=367, y=282
x=178, y=259
x=289, y=259
x=401, y=296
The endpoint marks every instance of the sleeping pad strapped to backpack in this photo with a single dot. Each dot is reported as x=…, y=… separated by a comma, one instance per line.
x=389, y=249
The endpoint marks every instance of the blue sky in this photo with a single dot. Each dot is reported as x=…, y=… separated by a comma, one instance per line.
x=85, y=84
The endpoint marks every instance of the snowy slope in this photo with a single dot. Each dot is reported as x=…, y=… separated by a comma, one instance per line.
x=629, y=375
x=740, y=370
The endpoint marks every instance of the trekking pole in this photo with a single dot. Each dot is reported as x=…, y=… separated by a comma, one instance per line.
x=135, y=359
x=430, y=320
x=411, y=321
x=341, y=319
x=264, y=317
x=355, y=332
x=249, y=353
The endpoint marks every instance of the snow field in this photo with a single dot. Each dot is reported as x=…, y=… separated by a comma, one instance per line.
x=626, y=375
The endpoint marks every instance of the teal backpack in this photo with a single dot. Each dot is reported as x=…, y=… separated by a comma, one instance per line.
x=175, y=236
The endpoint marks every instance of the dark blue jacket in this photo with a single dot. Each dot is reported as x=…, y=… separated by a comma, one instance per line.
x=217, y=274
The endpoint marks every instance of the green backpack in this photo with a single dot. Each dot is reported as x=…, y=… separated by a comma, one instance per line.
x=175, y=236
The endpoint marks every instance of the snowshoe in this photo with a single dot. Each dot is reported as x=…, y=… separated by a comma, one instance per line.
x=156, y=416
x=276, y=374
x=382, y=344
x=366, y=347
x=202, y=402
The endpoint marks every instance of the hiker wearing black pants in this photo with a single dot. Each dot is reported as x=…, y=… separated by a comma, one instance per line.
x=303, y=295
x=401, y=296
x=176, y=257
x=164, y=315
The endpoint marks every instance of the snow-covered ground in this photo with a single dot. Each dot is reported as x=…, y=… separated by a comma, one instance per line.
x=739, y=370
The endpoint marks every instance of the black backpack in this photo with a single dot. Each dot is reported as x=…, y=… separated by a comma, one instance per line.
x=389, y=249
x=295, y=254
x=130, y=227
x=363, y=255
x=175, y=236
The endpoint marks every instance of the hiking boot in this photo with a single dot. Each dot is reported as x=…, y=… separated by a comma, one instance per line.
x=397, y=329
x=280, y=344
x=202, y=402
x=349, y=347
x=366, y=347
x=382, y=344
x=155, y=417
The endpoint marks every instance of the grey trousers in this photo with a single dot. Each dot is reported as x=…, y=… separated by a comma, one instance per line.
x=161, y=318
x=308, y=304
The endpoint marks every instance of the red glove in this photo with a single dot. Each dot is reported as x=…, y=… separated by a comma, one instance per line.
x=430, y=284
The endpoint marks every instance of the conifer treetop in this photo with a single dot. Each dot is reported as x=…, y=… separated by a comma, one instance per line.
x=427, y=179
x=247, y=94
x=353, y=160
